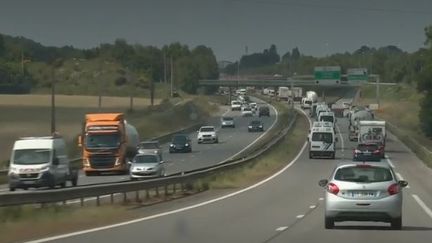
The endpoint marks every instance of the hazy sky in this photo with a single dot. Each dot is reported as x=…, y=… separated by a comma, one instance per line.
x=317, y=27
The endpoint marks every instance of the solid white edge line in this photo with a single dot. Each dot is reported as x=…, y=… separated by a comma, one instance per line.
x=300, y=216
x=390, y=162
x=282, y=228
x=258, y=138
x=176, y=210
x=422, y=205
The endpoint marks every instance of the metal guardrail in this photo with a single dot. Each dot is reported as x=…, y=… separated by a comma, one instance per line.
x=183, y=178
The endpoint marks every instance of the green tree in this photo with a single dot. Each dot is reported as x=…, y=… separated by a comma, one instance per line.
x=425, y=86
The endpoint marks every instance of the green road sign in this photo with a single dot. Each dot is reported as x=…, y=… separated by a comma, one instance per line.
x=327, y=75
x=357, y=75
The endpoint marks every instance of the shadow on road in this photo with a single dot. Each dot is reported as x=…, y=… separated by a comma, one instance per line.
x=362, y=227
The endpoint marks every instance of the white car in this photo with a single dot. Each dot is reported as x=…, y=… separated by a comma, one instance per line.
x=235, y=105
x=254, y=106
x=207, y=134
x=247, y=111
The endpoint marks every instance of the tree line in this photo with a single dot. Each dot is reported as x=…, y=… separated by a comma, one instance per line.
x=152, y=63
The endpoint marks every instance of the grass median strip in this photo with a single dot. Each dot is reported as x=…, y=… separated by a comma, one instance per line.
x=29, y=222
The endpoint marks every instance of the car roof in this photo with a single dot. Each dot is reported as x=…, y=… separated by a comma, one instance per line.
x=207, y=127
x=149, y=142
x=355, y=163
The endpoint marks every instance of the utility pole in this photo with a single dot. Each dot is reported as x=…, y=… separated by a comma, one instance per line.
x=172, y=76
x=378, y=91
x=22, y=62
x=165, y=68
x=53, y=118
x=238, y=74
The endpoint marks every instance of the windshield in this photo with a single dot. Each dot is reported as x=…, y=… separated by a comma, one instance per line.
x=325, y=137
x=31, y=156
x=308, y=102
x=207, y=129
x=103, y=140
x=227, y=118
x=365, y=174
x=179, y=139
x=146, y=159
x=327, y=118
x=148, y=146
x=255, y=123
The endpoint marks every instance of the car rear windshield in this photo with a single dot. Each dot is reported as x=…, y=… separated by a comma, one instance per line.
x=207, y=129
x=227, y=118
x=364, y=174
x=367, y=147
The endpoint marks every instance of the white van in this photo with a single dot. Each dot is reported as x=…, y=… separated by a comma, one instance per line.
x=328, y=116
x=322, y=142
x=40, y=162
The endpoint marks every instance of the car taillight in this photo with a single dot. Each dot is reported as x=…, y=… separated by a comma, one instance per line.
x=356, y=151
x=393, y=189
x=377, y=151
x=332, y=188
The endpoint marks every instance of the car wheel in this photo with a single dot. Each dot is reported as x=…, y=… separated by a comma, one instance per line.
x=396, y=223
x=63, y=184
x=133, y=179
x=329, y=223
x=310, y=155
x=11, y=189
x=217, y=141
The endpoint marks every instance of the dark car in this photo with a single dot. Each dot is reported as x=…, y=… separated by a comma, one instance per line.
x=263, y=111
x=180, y=143
x=367, y=152
x=256, y=126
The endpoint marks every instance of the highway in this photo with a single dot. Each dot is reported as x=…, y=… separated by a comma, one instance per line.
x=231, y=142
x=287, y=207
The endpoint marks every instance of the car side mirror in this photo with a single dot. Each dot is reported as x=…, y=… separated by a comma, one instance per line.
x=323, y=182
x=161, y=162
x=336, y=139
x=403, y=183
x=56, y=161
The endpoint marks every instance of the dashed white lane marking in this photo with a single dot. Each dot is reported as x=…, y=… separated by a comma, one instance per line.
x=390, y=162
x=312, y=206
x=300, y=216
x=321, y=199
x=422, y=205
x=342, y=140
x=401, y=178
x=282, y=228
x=226, y=112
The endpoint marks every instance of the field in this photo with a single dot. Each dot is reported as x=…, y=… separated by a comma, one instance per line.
x=29, y=115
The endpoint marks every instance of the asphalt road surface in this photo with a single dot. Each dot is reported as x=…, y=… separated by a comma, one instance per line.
x=286, y=208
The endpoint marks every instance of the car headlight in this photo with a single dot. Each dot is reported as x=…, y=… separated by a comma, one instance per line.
x=13, y=170
x=260, y=126
x=186, y=144
x=172, y=145
x=86, y=162
x=43, y=169
x=155, y=151
x=249, y=126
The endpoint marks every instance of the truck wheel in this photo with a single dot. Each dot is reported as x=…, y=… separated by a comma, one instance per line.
x=74, y=181
x=63, y=184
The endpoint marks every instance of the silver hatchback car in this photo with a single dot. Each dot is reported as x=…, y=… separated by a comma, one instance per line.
x=147, y=165
x=363, y=192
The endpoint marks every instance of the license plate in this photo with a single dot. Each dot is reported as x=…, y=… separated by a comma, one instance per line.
x=27, y=182
x=362, y=194
x=367, y=153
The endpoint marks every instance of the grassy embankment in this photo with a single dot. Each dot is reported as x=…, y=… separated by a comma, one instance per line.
x=18, y=223
x=400, y=106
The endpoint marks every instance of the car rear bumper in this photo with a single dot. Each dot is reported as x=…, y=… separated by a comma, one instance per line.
x=207, y=140
x=383, y=209
x=322, y=154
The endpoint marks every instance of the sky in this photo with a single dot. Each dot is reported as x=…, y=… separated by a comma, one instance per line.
x=229, y=27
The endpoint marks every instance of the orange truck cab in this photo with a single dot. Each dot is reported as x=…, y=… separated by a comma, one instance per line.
x=108, y=142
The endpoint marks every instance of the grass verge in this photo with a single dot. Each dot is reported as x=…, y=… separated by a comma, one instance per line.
x=27, y=222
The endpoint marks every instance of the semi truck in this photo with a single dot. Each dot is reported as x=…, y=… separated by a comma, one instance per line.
x=284, y=93
x=297, y=94
x=355, y=118
x=108, y=143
